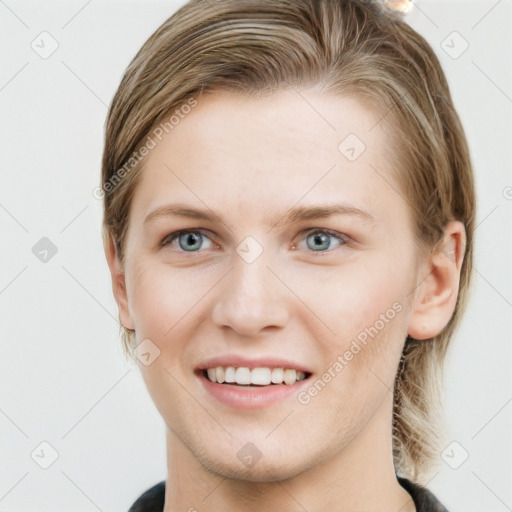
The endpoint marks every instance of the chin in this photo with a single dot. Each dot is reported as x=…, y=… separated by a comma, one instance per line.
x=262, y=472
x=262, y=468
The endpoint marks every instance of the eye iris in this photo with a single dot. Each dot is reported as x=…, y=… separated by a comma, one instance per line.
x=320, y=237
x=184, y=238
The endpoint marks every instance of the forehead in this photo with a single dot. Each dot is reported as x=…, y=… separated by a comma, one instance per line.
x=290, y=123
x=236, y=150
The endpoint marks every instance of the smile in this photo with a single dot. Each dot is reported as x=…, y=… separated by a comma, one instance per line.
x=243, y=382
x=263, y=376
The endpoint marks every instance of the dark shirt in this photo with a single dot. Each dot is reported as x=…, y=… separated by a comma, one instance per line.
x=153, y=499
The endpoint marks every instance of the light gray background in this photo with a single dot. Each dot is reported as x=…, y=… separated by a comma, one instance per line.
x=63, y=379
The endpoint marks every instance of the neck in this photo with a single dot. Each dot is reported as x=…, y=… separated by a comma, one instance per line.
x=358, y=478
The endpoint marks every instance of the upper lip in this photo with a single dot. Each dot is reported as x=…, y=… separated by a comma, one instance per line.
x=254, y=362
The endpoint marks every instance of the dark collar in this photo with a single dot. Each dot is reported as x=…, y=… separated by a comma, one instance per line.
x=153, y=499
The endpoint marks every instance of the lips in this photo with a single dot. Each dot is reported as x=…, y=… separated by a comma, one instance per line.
x=256, y=383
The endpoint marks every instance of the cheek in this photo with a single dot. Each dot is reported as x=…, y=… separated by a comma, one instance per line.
x=161, y=298
x=164, y=304
x=365, y=306
x=145, y=299
x=353, y=297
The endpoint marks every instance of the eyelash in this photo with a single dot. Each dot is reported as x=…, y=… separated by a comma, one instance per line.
x=167, y=240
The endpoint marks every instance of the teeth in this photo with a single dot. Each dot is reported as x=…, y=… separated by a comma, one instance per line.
x=290, y=377
x=230, y=374
x=277, y=375
x=261, y=376
x=244, y=376
x=220, y=374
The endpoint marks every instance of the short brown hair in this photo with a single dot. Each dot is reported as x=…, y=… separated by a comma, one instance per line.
x=256, y=47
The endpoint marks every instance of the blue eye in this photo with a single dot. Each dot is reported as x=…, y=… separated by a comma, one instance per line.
x=317, y=240
x=321, y=239
x=189, y=241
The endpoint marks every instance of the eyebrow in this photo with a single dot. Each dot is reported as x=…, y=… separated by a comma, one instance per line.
x=293, y=215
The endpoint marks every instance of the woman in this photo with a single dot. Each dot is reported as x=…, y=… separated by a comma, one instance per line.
x=288, y=222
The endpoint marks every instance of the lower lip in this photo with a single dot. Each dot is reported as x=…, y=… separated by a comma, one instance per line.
x=256, y=397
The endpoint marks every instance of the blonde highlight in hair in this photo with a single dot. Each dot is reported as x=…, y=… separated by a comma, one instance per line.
x=345, y=47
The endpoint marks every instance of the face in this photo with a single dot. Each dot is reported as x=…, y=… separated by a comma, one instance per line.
x=263, y=234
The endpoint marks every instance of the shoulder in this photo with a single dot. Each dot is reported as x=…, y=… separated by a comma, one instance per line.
x=151, y=500
x=423, y=499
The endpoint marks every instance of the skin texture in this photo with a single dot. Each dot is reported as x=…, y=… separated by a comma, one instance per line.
x=250, y=161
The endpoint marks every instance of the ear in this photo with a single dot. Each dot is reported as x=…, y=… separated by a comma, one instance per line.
x=436, y=295
x=118, y=281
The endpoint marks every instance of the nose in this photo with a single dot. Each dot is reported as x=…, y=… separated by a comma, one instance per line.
x=251, y=299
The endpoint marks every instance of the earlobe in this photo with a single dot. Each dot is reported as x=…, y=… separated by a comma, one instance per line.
x=436, y=295
x=118, y=281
